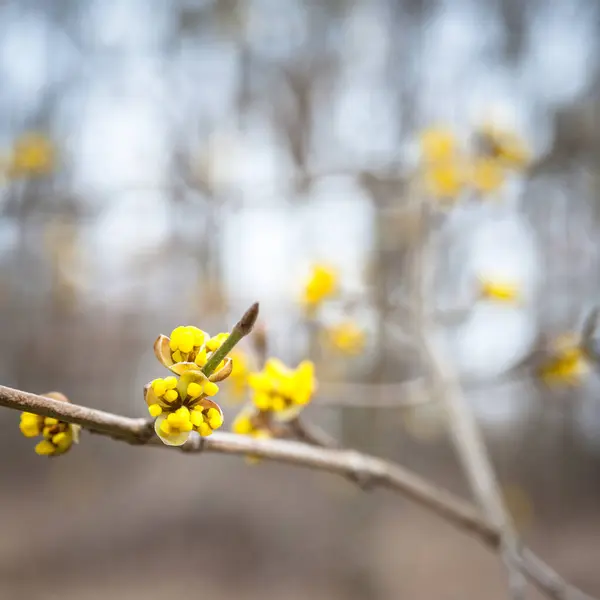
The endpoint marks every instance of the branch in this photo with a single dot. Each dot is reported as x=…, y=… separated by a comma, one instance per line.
x=347, y=463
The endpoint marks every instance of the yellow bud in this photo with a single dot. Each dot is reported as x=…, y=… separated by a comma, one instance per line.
x=155, y=410
x=184, y=413
x=196, y=418
x=186, y=343
x=29, y=430
x=204, y=429
x=171, y=382
x=49, y=421
x=159, y=386
x=194, y=389
x=210, y=388
x=199, y=336
x=215, y=418
x=176, y=356
x=171, y=395
x=165, y=428
x=59, y=438
x=201, y=359
x=45, y=448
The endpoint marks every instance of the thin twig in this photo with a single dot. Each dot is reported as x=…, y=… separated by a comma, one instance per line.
x=464, y=429
x=347, y=463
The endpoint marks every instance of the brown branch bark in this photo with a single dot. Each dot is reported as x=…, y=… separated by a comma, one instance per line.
x=347, y=463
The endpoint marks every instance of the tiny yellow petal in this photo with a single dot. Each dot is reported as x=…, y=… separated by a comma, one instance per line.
x=215, y=418
x=262, y=401
x=45, y=448
x=59, y=438
x=159, y=386
x=196, y=418
x=171, y=382
x=165, y=428
x=171, y=395
x=201, y=359
x=155, y=410
x=210, y=388
x=176, y=356
x=50, y=421
x=205, y=429
x=194, y=390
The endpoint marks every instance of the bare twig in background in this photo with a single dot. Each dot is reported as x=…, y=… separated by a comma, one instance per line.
x=348, y=463
x=464, y=429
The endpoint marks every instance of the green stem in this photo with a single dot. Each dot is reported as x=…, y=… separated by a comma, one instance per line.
x=241, y=329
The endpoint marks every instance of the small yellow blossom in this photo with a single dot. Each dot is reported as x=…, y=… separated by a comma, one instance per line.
x=321, y=284
x=437, y=145
x=58, y=436
x=32, y=155
x=496, y=290
x=567, y=364
x=182, y=405
x=347, y=337
x=253, y=423
x=445, y=180
x=281, y=390
x=189, y=349
x=505, y=146
x=487, y=175
x=239, y=374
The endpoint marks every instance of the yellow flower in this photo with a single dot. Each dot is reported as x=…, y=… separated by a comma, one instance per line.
x=445, y=180
x=58, y=436
x=33, y=154
x=189, y=349
x=499, y=291
x=283, y=391
x=505, y=146
x=437, y=145
x=567, y=364
x=182, y=405
x=347, y=337
x=487, y=175
x=253, y=423
x=321, y=284
x=239, y=373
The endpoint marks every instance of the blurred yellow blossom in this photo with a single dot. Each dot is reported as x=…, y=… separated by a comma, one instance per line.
x=437, y=144
x=283, y=391
x=445, y=180
x=33, y=154
x=498, y=290
x=567, y=364
x=347, y=337
x=238, y=379
x=58, y=436
x=182, y=405
x=505, y=146
x=487, y=175
x=253, y=423
x=322, y=283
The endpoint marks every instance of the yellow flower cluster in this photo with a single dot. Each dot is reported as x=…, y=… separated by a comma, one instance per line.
x=58, y=435
x=182, y=404
x=281, y=390
x=321, y=284
x=447, y=171
x=32, y=155
x=347, y=337
x=567, y=365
